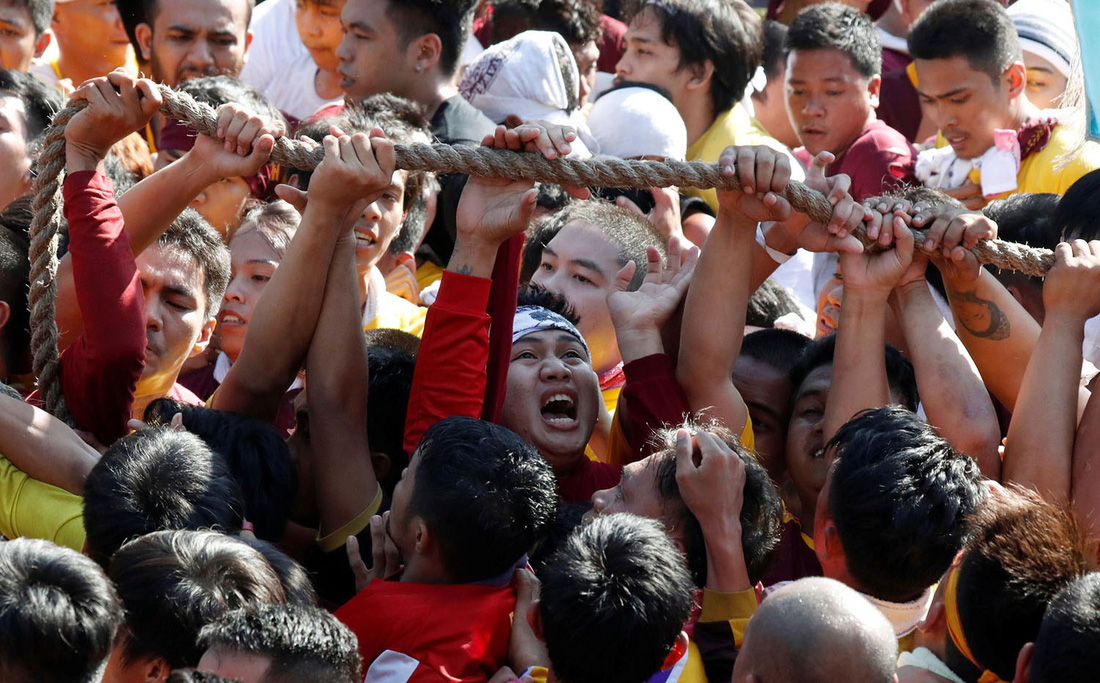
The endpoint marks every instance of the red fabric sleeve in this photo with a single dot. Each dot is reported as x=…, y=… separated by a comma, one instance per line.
x=99, y=372
x=450, y=367
x=652, y=398
x=502, y=311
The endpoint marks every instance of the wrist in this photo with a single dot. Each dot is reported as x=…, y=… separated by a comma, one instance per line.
x=1067, y=318
x=472, y=256
x=638, y=343
x=913, y=289
x=864, y=300
x=80, y=157
x=198, y=171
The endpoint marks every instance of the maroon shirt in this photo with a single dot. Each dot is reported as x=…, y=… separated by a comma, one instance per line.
x=899, y=105
x=879, y=160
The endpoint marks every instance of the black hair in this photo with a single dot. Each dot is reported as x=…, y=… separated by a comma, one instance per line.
x=1024, y=551
x=256, y=454
x=295, y=580
x=631, y=233
x=173, y=583
x=1069, y=638
x=485, y=493
x=568, y=517
x=1078, y=214
x=133, y=13
x=613, y=601
x=979, y=30
x=196, y=676
x=899, y=370
x=578, y=21
x=41, y=12
x=451, y=20
x=151, y=8
x=15, y=268
x=773, y=57
x=761, y=511
x=728, y=33
x=41, y=101
x=389, y=338
x=192, y=235
x=390, y=384
x=1025, y=218
x=777, y=348
x=551, y=197
x=770, y=302
x=531, y=294
x=304, y=643
x=832, y=25
x=900, y=498
x=58, y=613
x=157, y=479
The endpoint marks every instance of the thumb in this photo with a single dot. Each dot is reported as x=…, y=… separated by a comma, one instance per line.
x=355, y=560
x=261, y=151
x=527, y=589
x=293, y=196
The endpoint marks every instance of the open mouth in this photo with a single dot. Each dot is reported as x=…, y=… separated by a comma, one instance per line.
x=363, y=239
x=560, y=410
x=232, y=319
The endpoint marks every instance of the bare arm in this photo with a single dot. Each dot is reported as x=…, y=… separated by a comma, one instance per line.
x=43, y=447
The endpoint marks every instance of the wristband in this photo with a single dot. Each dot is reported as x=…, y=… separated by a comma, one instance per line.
x=775, y=255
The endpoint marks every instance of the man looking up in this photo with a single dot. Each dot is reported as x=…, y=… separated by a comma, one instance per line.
x=972, y=82
x=90, y=41
x=24, y=24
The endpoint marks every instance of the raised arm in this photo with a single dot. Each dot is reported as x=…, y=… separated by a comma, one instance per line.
x=44, y=447
x=1039, y=450
x=355, y=171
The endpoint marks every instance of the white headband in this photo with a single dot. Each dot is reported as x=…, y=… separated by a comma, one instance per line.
x=531, y=319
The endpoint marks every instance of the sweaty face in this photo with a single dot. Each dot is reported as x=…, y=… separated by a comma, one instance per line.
x=829, y=101
x=254, y=261
x=580, y=264
x=552, y=397
x=91, y=30
x=15, y=165
x=176, y=327
x=376, y=228
x=17, y=39
x=966, y=105
x=636, y=493
x=767, y=393
x=196, y=38
x=318, y=23
x=235, y=665
x=1045, y=83
x=806, y=458
x=647, y=58
x=372, y=60
x=222, y=204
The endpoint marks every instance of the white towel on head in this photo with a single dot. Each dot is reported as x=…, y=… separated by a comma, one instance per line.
x=1046, y=29
x=637, y=122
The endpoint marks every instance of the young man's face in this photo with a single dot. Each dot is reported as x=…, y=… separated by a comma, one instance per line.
x=195, y=38
x=18, y=42
x=1045, y=83
x=399, y=524
x=15, y=164
x=966, y=105
x=586, y=56
x=829, y=102
x=318, y=23
x=552, y=399
x=647, y=58
x=828, y=305
x=254, y=262
x=580, y=263
x=372, y=60
x=376, y=228
x=767, y=394
x=807, y=463
x=176, y=325
x=222, y=204
x=636, y=493
x=92, y=30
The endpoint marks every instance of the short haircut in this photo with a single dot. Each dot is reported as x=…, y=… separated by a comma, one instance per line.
x=192, y=235
x=578, y=21
x=761, y=512
x=1076, y=215
x=831, y=25
x=133, y=14
x=1024, y=551
x=627, y=230
x=58, y=614
x=770, y=302
x=1025, y=218
x=899, y=370
x=613, y=601
x=40, y=100
x=157, y=479
x=276, y=222
x=451, y=20
x=728, y=33
x=304, y=643
x=486, y=494
x=777, y=348
x=15, y=269
x=152, y=8
x=775, y=49
x=194, y=676
x=979, y=30
x=389, y=387
x=900, y=497
x=224, y=89
x=41, y=13
x=531, y=294
x=1065, y=649
x=295, y=581
x=173, y=583
x=389, y=338
x=258, y=459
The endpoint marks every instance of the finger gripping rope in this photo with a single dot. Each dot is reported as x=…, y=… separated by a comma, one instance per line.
x=475, y=161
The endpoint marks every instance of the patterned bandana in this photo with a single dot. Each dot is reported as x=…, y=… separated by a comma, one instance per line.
x=536, y=319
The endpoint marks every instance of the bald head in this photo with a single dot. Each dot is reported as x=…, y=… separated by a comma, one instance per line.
x=817, y=631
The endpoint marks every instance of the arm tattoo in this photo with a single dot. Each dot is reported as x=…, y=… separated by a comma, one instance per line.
x=982, y=318
x=461, y=269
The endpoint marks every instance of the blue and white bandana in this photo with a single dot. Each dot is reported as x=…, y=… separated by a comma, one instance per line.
x=536, y=318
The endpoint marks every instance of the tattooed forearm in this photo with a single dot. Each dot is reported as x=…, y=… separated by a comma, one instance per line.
x=980, y=317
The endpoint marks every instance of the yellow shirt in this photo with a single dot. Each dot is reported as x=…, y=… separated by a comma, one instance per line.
x=1042, y=172
x=398, y=314
x=34, y=509
x=733, y=127
x=428, y=273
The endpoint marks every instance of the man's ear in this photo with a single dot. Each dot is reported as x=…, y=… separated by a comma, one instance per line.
x=1015, y=78
x=42, y=43
x=701, y=74
x=874, y=87
x=204, y=337
x=5, y=315
x=1023, y=663
x=425, y=540
x=157, y=671
x=425, y=51
x=833, y=549
x=382, y=464
x=144, y=34
x=534, y=619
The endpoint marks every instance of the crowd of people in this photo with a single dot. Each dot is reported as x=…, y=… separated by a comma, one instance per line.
x=356, y=422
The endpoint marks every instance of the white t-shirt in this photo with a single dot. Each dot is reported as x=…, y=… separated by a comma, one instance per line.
x=279, y=65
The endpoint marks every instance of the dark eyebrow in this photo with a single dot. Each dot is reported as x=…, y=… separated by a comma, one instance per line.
x=361, y=26
x=954, y=92
x=182, y=290
x=547, y=250
x=805, y=394
x=1041, y=68
x=585, y=263
x=763, y=408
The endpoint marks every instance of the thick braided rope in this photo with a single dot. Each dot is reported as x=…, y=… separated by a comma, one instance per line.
x=475, y=161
